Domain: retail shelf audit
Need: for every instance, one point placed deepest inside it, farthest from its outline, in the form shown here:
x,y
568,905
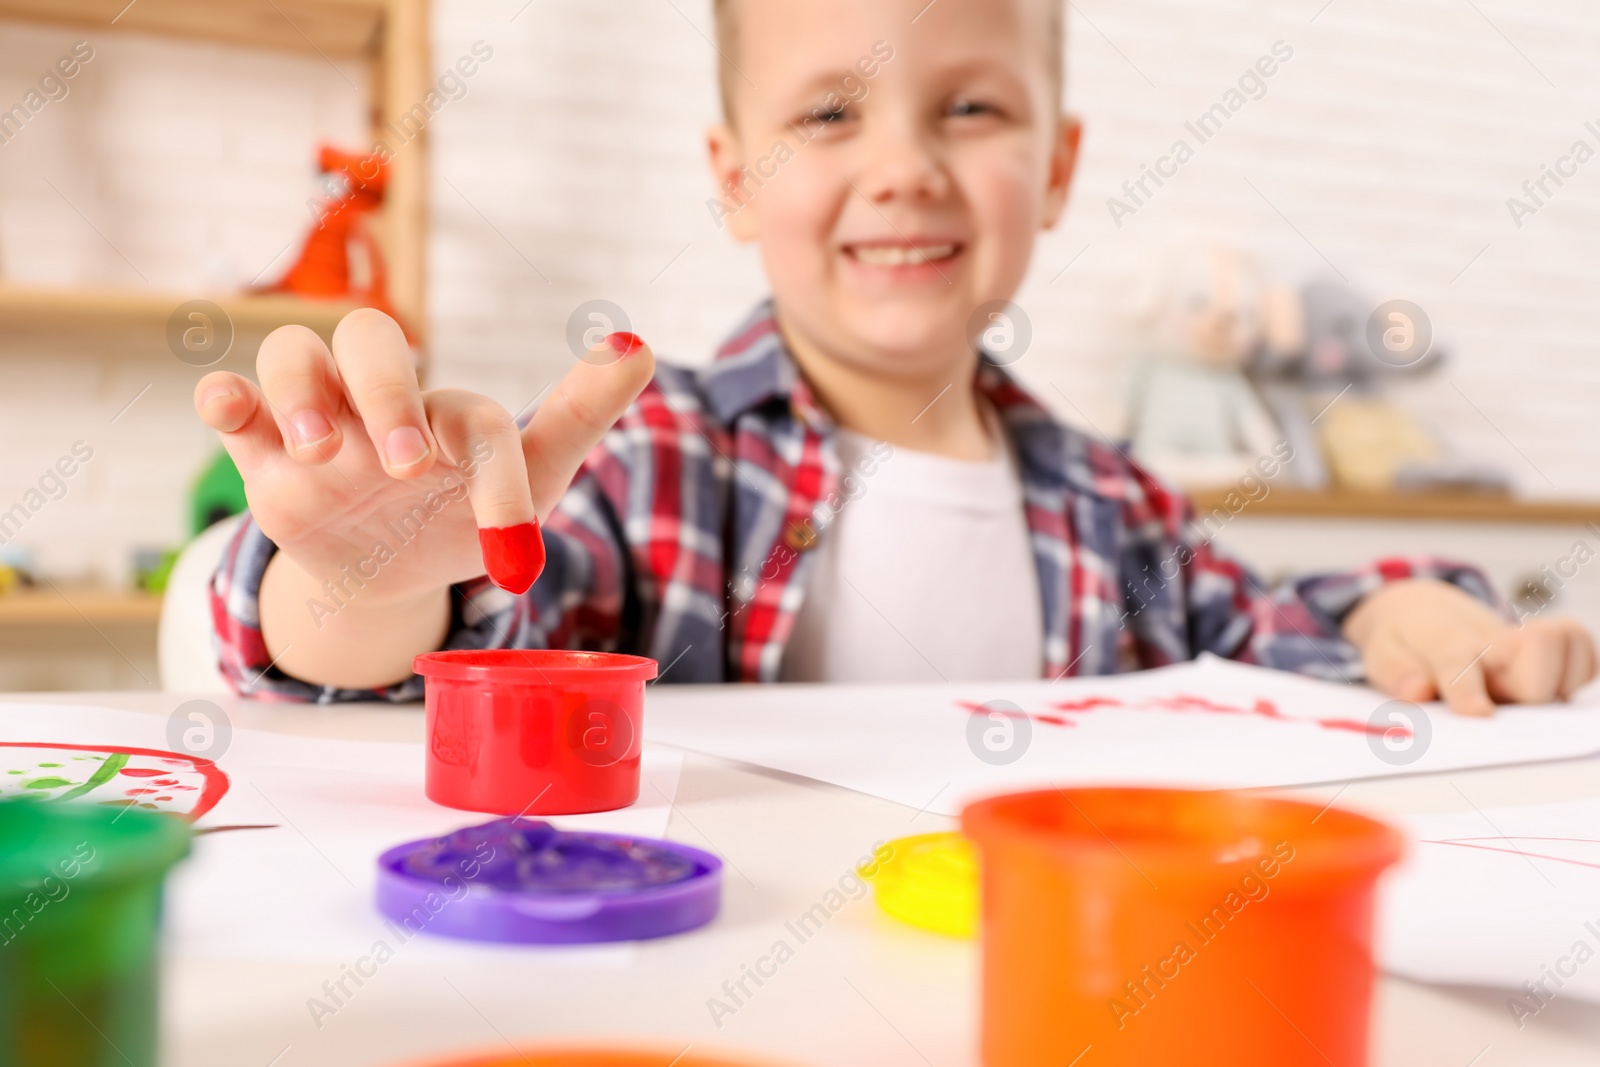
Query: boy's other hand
x,y
342,451
1423,640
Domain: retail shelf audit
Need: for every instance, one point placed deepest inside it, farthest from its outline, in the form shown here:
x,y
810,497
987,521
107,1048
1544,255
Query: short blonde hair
x,y
725,13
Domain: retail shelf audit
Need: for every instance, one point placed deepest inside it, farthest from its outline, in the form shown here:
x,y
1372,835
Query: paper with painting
x,y
1504,897
1208,724
288,828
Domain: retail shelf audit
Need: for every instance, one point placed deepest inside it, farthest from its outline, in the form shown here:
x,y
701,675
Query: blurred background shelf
x,y
1439,507
78,606
104,637
132,312
332,26
79,637
390,39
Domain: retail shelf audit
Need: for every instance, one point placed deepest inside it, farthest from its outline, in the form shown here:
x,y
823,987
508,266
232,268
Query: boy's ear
x,y
730,208
1063,162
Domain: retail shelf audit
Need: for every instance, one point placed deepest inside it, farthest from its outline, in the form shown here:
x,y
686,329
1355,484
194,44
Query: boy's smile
x,y
925,149
901,260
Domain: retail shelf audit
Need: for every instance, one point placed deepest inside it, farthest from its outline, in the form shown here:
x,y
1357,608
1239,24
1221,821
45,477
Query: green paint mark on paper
x,y
47,782
13,772
49,764
102,774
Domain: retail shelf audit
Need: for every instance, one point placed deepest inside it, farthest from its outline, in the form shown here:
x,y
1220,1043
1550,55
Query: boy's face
x,y
902,199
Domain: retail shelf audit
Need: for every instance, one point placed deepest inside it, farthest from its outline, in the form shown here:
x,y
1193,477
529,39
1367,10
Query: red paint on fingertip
x,y
625,344
513,555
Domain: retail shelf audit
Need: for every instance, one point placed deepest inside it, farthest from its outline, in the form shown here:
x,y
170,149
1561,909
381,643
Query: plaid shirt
x,y
686,537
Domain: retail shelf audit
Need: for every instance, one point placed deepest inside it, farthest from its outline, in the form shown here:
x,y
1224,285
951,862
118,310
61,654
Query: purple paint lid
x,y
522,880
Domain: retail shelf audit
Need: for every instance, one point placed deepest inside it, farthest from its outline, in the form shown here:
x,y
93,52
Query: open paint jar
x,y
80,900
534,732
522,880
1169,926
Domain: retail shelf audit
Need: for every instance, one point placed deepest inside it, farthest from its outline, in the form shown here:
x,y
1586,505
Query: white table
x,y
863,991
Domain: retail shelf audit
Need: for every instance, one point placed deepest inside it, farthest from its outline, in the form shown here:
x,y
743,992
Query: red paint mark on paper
x,y
1263,708
1363,727
982,709
1089,704
1181,702
141,772
1471,842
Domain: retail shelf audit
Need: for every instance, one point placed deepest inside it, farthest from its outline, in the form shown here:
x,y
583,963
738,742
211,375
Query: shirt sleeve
x,y
1184,598
578,601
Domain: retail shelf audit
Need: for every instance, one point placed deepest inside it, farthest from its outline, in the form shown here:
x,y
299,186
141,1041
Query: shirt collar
x,y
1051,455
752,367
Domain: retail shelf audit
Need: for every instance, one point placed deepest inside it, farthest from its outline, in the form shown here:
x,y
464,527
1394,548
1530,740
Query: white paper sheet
x,y
1208,724
302,888
1499,898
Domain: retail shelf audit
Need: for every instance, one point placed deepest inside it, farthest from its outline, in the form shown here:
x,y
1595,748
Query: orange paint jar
x,y
1143,926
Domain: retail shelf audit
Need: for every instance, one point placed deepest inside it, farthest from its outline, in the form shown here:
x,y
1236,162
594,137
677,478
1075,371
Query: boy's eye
x,y
964,108
823,115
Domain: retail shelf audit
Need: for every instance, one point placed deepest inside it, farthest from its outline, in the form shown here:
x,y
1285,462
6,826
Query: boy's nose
x,y
901,165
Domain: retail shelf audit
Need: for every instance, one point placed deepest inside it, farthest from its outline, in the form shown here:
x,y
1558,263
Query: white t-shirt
x,y
925,575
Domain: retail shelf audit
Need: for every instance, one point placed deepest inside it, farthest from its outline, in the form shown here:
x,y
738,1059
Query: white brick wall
x,y
1390,142
178,166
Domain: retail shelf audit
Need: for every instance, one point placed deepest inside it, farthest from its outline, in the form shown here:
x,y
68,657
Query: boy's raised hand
x,y
1422,640
341,452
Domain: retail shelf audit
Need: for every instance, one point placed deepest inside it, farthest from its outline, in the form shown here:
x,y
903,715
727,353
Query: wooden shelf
x,y
77,606
332,27
389,36
133,311
1437,507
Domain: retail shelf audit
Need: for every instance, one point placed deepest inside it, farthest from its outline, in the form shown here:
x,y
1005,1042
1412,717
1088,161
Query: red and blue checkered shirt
x,y
686,537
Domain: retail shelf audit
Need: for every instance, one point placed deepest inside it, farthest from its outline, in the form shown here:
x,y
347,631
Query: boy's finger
x,y
1579,668
1525,667
579,411
1461,684
380,379
480,438
301,384
1393,668
235,408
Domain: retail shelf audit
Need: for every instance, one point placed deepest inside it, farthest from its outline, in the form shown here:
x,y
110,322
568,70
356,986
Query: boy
x,y
850,492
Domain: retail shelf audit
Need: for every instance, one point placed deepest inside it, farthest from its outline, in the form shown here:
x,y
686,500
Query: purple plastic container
x,y
522,880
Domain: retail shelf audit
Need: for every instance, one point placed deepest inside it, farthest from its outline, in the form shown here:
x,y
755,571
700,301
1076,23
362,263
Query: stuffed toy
x,y
1330,391
341,257
1196,418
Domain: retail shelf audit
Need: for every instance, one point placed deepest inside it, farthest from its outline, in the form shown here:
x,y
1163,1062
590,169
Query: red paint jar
x,y
534,731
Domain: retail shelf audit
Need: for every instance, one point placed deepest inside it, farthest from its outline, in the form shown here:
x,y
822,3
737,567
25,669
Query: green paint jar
x,y
80,902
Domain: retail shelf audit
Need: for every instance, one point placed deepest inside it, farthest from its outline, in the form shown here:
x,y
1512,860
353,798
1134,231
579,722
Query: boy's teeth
x,y
889,256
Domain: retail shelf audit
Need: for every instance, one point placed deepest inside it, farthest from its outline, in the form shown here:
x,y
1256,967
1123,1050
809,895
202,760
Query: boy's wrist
x,y
364,640
323,597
